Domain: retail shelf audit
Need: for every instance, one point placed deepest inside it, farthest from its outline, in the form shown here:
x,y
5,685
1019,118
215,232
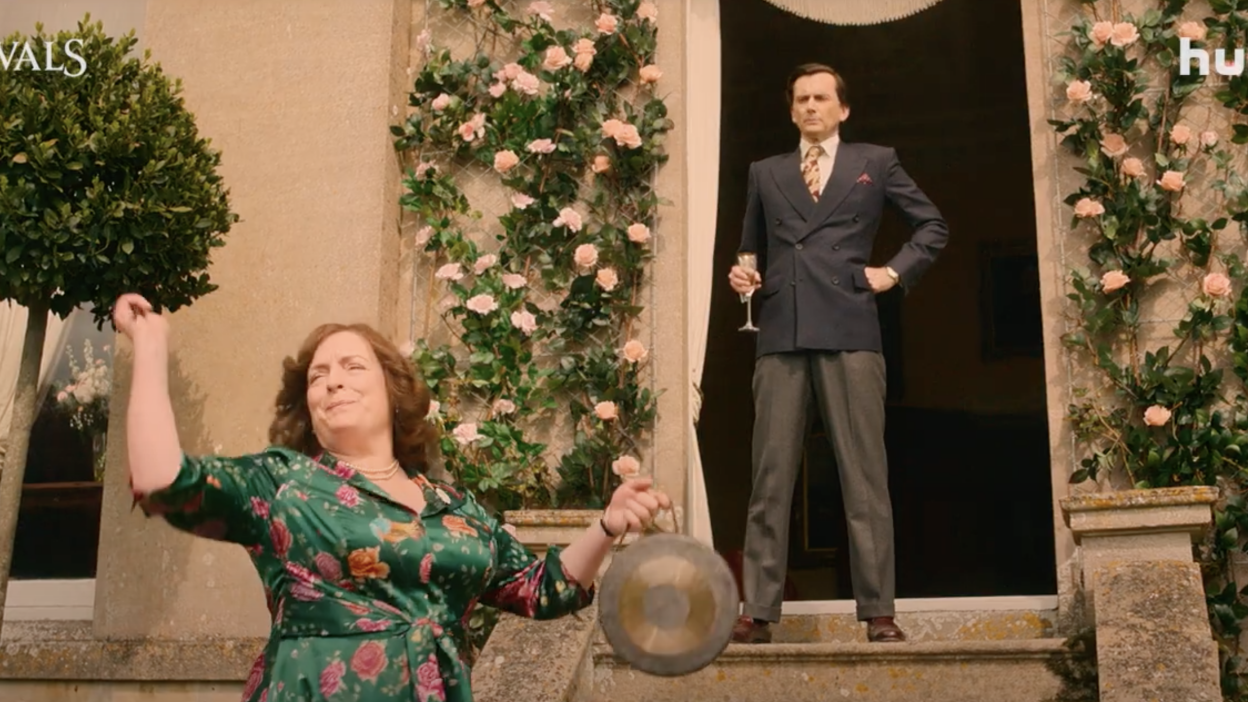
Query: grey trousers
x,y
849,388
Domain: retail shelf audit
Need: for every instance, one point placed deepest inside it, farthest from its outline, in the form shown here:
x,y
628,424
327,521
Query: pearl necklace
x,y
383,474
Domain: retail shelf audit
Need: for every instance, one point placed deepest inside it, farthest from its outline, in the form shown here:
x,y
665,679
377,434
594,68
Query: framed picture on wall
x,y
1009,294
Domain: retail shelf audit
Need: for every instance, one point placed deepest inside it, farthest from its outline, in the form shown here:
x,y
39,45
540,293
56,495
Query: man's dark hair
x,y
810,69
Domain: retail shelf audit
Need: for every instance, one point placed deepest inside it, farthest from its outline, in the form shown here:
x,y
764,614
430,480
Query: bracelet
x,y
602,523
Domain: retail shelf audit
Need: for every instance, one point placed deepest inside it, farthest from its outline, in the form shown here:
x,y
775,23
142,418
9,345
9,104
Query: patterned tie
x,y
810,171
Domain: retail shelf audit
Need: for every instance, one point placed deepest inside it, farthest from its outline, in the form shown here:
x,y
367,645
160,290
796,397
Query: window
x,y
58,528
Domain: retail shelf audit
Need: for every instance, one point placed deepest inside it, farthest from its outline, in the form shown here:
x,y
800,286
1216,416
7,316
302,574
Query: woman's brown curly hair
x,y
415,439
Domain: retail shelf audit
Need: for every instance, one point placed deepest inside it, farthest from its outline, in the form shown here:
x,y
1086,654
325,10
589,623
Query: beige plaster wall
x,y
118,16
298,95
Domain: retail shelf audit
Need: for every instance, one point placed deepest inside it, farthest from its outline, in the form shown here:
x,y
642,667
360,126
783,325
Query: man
x,y
811,219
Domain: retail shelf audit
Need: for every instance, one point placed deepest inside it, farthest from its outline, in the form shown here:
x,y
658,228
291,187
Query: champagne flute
x,y
749,262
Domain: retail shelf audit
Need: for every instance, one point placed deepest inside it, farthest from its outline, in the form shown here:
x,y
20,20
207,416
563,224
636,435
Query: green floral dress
x,y
369,601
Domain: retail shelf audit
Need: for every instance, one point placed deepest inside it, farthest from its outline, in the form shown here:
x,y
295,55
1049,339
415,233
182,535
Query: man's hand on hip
x,y
879,279
744,281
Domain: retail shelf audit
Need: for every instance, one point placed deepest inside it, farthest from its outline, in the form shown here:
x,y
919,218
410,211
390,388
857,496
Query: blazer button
x,y
799,247
855,218
836,281
777,220
836,247
793,283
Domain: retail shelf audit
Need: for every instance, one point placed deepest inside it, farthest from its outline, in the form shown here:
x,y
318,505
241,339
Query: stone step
x,y
1010,670
948,625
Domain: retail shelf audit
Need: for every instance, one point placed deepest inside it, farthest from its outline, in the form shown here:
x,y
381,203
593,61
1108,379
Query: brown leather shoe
x,y
749,630
884,630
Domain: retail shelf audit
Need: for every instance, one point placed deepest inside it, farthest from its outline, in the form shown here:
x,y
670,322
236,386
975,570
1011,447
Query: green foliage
x,y
1166,411
106,186
572,131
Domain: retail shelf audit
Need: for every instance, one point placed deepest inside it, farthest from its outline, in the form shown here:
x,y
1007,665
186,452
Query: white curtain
x,y
702,60
12,334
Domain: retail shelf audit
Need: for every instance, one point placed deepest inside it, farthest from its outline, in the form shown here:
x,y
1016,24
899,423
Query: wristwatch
x,y
892,274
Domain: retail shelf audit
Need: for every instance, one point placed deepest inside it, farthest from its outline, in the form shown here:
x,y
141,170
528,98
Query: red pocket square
x,y
865,179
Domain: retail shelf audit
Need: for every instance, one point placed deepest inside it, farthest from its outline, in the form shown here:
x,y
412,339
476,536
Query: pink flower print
x,y
280,536
348,496
369,625
253,678
369,660
429,681
305,592
426,568
331,678
387,607
355,608
329,566
260,508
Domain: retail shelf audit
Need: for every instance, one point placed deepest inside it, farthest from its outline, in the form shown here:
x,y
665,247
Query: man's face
x,y
816,109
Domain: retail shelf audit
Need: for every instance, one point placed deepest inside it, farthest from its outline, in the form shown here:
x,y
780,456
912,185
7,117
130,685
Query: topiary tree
x,y
106,187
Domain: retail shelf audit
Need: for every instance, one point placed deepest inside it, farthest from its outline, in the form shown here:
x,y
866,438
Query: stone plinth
x,y
1144,591
1152,634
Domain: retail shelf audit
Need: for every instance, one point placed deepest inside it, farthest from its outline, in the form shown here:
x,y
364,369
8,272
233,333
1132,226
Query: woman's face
x,y
347,395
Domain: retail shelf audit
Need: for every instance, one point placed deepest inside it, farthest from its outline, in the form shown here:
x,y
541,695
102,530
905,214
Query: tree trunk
x,y
14,468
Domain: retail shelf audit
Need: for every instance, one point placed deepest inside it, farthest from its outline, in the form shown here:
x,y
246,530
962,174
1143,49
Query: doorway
x,y
967,430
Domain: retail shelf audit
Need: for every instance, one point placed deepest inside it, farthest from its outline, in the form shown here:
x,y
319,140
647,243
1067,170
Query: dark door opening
x,y
967,422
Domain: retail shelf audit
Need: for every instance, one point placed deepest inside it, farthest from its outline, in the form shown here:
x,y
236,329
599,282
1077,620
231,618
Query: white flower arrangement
x,y
85,398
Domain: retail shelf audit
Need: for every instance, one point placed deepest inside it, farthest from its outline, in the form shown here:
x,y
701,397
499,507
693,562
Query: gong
x,y
668,604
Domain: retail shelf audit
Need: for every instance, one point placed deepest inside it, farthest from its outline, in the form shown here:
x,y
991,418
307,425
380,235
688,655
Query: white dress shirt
x,y
826,160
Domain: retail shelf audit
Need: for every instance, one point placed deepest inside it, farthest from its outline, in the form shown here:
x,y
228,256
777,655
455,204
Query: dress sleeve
x,y
526,585
218,497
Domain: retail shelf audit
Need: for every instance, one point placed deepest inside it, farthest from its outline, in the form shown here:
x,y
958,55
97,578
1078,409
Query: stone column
x,y
299,97
1145,593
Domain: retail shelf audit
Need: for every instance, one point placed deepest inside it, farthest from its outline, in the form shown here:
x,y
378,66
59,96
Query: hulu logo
x,y
1221,65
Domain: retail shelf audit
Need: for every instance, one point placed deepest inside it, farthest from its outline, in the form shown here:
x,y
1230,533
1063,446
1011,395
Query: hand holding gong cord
x,y
634,506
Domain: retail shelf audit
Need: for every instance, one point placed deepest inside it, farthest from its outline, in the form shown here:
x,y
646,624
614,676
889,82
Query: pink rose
x,y
475,3
504,406
484,263
450,271
331,678
260,508
638,233
569,218
482,304
466,433
607,23
527,83
1101,32
1113,145
1192,30
585,256
1156,416
328,566
1209,138
524,321
648,12
582,62
1133,167
369,660
1114,280
541,146
441,102
650,74
1216,285
606,410
429,680
521,201
1172,181
1124,34
1180,133
514,281
1079,91
280,536
426,568
498,89
1087,207
607,279
627,135
348,496
542,9
626,466
556,58
602,163
634,351
505,161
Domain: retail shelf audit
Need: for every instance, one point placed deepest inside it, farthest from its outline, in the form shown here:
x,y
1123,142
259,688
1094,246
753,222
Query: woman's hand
x,y
634,505
133,316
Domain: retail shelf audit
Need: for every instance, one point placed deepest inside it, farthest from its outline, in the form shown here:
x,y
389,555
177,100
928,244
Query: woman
x,y
370,569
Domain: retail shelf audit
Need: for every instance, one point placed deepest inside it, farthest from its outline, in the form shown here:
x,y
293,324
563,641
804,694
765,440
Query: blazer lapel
x,y
788,176
849,164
